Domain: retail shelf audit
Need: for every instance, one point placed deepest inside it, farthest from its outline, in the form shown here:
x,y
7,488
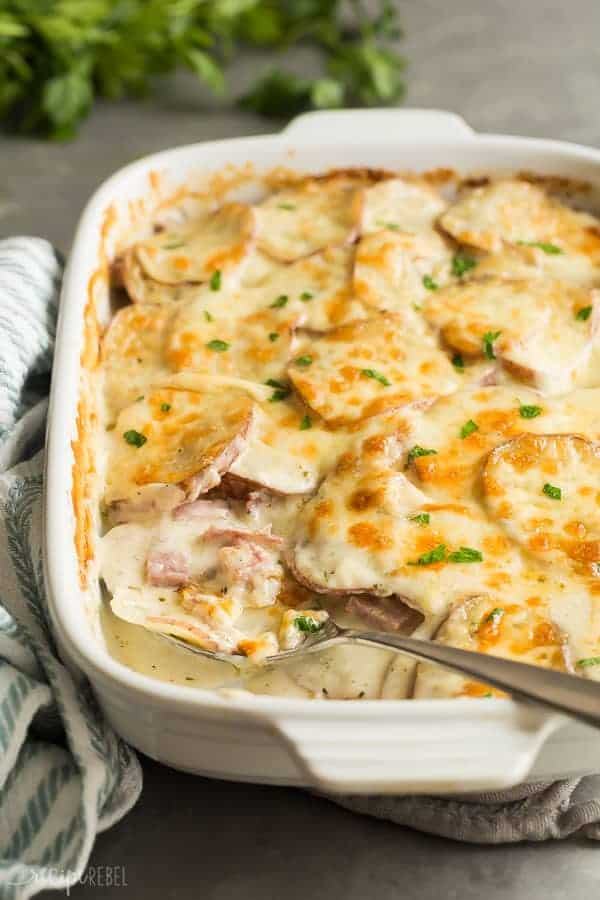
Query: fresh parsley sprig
x,y
57,58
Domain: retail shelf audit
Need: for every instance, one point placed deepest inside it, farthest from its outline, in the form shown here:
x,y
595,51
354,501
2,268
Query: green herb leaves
x,y
305,423
530,412
589,661
468,428
165,407
421,519
583,314
465,555
281,392
495,615
458,362
418,451
550,490
218,346
56,58
550,249
135,438
307,625
429,283
461,263
377,376
279,302
488,343
304,361
215,280
440,554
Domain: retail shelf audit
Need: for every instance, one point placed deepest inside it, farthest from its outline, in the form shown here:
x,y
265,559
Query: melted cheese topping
x,y
365,368
323,404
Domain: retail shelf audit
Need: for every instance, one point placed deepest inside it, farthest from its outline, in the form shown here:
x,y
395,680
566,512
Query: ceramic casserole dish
x,y
384,746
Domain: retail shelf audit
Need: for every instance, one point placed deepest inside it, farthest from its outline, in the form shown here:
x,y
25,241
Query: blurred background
x,y
530,68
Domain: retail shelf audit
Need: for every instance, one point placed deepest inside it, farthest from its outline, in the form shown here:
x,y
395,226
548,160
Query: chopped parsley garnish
x,y
282,390
139,399
304,361
417,307
218,346
589,661
438,554
530,412
418,451
393,226
458,362
305,296
488,343
279,302
306,423
462,263
274,336
288,206
174,245
421,518
468,428
134,438
486,695
552,491
584,313
495,615
208,316
307,625
429,283
550,249
465,555
165,407
215,280
377,376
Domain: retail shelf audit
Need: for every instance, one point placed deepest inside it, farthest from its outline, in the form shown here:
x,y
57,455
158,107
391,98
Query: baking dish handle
x,y
475,748
389,124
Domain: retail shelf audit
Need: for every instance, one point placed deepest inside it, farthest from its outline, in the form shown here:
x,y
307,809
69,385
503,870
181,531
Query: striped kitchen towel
x,y
64,774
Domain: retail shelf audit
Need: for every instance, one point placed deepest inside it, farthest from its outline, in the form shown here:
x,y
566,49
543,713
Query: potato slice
x,y
393,268
318,289
196,250
300,219
405,204
287,452
514,211
133,351
256,346
544,489
543,331
489,624
362,369
171,436
370,530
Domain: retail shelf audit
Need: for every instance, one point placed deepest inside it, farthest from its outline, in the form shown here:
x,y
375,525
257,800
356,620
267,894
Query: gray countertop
x,y
506,66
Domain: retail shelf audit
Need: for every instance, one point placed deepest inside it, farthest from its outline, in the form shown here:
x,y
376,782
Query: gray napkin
x,y
527,812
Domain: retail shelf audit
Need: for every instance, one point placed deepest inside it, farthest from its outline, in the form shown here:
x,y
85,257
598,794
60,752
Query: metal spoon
x,y
578,697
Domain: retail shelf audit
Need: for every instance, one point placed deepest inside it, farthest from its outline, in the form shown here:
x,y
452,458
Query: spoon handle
x,y
579,697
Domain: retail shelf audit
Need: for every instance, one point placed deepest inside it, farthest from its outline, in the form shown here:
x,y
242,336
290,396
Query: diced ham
x,y
490,377
243,560
202,511
385,613
167,568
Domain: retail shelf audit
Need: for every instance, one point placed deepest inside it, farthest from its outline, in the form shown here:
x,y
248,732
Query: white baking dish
x,y
369,746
